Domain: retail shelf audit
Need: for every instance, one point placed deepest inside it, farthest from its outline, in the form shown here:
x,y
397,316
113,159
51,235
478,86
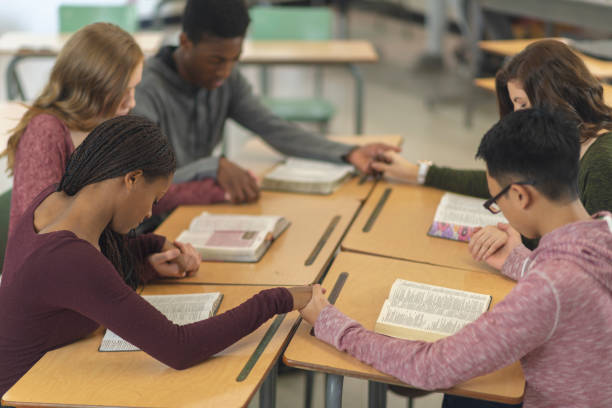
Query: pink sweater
x,y
41,157
557,321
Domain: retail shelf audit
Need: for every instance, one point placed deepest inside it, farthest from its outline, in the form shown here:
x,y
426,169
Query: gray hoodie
x,y
193,118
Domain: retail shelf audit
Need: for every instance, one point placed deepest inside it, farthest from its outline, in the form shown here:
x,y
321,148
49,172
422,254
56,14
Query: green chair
x,y
5,210
298,24
73,17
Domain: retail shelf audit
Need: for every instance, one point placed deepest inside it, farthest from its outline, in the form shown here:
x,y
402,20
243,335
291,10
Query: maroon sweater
x,y
41,158
57,288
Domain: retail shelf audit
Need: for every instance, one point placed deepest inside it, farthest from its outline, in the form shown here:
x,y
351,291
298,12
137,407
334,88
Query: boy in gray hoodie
x,y
557,320
191,90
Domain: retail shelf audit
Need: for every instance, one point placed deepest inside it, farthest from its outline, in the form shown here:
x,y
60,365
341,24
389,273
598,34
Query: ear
x,y
185,42
132,178
523,195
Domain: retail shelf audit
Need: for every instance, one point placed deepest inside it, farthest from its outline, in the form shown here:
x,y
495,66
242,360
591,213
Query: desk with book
x,y
397,221
373,278
277,172
80,375
298,256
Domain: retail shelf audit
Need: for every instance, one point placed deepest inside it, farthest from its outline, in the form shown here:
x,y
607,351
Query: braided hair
x,y
113,149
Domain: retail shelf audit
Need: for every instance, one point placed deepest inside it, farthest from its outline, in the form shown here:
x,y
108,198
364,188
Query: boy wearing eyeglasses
x,y
557,320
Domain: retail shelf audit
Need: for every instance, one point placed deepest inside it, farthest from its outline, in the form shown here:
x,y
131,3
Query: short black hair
x,y
536,145
215,18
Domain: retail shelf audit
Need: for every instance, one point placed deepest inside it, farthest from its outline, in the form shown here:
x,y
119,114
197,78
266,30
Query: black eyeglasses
x,y
491,203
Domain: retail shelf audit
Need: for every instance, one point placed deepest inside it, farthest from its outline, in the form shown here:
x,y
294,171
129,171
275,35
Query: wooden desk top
x,y
489,85
79,375
260,158
400,230
308,52
26,43
599,68
307,352
284,263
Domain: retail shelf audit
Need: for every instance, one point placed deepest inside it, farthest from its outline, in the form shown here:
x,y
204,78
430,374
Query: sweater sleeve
x,y
197,192
246,109
595,176
468,182
518,324
516,263
40,161
101,295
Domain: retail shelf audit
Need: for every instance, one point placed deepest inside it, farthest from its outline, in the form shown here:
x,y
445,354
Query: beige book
x,y
233,238
417,311
307,176
179,309
458,215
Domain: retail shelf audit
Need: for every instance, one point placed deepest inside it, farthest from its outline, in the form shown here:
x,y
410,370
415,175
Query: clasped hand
x,y
176,260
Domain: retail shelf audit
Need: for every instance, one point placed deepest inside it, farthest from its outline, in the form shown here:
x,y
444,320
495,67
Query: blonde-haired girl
x,y
92,80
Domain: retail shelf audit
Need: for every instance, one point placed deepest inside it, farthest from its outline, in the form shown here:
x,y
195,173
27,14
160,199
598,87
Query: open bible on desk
x,y
180,309
418,311
458,215
233,238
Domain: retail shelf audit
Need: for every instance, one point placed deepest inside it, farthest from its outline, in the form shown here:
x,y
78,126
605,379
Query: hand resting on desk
x,y
240,184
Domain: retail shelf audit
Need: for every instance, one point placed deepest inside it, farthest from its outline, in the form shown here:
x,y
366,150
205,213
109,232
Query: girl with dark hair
x,y
70,267
547,74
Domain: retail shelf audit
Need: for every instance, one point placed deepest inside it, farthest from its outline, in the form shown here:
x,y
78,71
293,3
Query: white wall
x,y
41,16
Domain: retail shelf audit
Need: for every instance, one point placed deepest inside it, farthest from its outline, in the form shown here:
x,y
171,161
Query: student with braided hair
x,y
70,266
93,79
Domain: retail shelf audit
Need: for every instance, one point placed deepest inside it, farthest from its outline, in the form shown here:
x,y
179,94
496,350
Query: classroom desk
x,y
79,375
259,157
371,277
599,68
308,52
19,45
489,85
289,260
400,229
332,52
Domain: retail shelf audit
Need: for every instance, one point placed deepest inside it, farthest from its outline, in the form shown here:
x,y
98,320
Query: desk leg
x,y
377,394
475,21
358,98
267,393
333,391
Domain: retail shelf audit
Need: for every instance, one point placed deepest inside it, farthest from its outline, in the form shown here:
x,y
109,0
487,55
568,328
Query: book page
x,y
179,309
307,176
457,216
295,169
230,222
431,308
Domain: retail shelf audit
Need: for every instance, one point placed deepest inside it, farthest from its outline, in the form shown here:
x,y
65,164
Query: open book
x,y
457,216
417,311
180,309
307,176
233,238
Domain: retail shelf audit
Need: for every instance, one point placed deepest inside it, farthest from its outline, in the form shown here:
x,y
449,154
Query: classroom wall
x,y
42,15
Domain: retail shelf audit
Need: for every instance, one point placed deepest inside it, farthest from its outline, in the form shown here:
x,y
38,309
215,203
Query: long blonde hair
x,y
87,83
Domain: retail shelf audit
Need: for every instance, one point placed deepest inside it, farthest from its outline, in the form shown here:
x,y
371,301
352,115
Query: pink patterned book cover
x,y
451,231
458,216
